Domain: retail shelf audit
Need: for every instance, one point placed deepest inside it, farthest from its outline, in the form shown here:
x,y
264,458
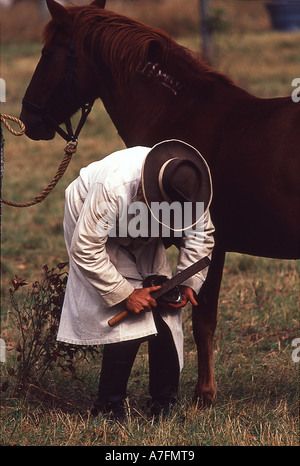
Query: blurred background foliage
x,y
23,20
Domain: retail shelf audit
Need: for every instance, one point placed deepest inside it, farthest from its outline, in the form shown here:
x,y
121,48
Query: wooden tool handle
x,y
117,318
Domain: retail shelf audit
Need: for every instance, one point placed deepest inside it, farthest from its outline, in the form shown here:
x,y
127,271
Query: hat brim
x,y
157,157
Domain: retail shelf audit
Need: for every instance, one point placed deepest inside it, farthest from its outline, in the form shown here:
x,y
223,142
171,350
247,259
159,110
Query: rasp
x,y
168,285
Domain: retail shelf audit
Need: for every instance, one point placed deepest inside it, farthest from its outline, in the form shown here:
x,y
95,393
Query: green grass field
x,y
258,382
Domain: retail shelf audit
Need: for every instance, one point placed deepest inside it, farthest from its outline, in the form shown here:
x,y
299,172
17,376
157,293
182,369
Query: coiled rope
x,y
70,150
4,119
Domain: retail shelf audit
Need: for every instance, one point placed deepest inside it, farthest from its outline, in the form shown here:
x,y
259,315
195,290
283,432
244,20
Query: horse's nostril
x,y
35,127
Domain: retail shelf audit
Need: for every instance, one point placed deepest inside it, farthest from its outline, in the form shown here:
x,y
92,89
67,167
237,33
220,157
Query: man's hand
x,y
141,301
187,296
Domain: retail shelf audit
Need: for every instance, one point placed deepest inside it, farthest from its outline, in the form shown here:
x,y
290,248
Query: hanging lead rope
x,y
4,119
70,149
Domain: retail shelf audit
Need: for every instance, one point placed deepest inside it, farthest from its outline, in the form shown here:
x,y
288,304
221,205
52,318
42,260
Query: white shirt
x,y
101,276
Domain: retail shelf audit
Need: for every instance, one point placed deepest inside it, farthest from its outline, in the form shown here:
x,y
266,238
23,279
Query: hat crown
x,y
174,170
180,180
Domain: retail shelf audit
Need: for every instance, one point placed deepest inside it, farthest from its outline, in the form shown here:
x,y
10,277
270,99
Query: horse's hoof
x,y
205,397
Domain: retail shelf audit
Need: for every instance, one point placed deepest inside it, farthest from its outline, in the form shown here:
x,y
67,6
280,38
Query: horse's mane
x,y
123,43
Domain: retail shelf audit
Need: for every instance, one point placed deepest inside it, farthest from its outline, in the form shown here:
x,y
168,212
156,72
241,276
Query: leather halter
x,y
68,83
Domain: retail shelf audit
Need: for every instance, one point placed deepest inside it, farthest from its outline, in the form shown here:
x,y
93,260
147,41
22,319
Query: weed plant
x,y
35,316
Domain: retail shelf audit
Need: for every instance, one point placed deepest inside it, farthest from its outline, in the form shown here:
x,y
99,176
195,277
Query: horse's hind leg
x,y
204,325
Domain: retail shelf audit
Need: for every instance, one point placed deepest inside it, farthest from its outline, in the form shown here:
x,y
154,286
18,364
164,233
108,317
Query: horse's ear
x,y
58,12
100,3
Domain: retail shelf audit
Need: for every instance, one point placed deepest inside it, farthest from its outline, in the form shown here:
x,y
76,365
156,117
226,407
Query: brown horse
x,y
154,89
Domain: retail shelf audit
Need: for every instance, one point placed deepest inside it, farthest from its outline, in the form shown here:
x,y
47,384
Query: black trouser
x,y
118,359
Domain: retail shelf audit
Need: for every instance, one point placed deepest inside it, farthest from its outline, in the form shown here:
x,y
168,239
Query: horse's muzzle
x,y
35,126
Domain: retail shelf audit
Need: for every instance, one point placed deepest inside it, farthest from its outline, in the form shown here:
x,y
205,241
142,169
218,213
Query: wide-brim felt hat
x,y
174,171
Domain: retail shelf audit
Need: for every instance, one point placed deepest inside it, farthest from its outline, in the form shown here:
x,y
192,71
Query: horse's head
x,y
61,84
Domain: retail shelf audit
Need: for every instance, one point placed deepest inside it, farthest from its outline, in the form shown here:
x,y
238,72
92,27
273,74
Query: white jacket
x,y
105,269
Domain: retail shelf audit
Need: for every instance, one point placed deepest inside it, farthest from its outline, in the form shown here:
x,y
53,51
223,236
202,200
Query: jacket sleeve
x,y
196,244
88,248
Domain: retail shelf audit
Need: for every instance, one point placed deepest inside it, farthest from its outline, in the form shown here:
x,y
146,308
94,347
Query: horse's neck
x,y
152,105
159,104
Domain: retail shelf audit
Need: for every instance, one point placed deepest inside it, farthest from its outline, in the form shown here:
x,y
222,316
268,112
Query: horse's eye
x,y
46,53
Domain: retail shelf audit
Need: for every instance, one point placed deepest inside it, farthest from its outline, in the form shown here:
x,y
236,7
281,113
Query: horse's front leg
x,y
204,325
